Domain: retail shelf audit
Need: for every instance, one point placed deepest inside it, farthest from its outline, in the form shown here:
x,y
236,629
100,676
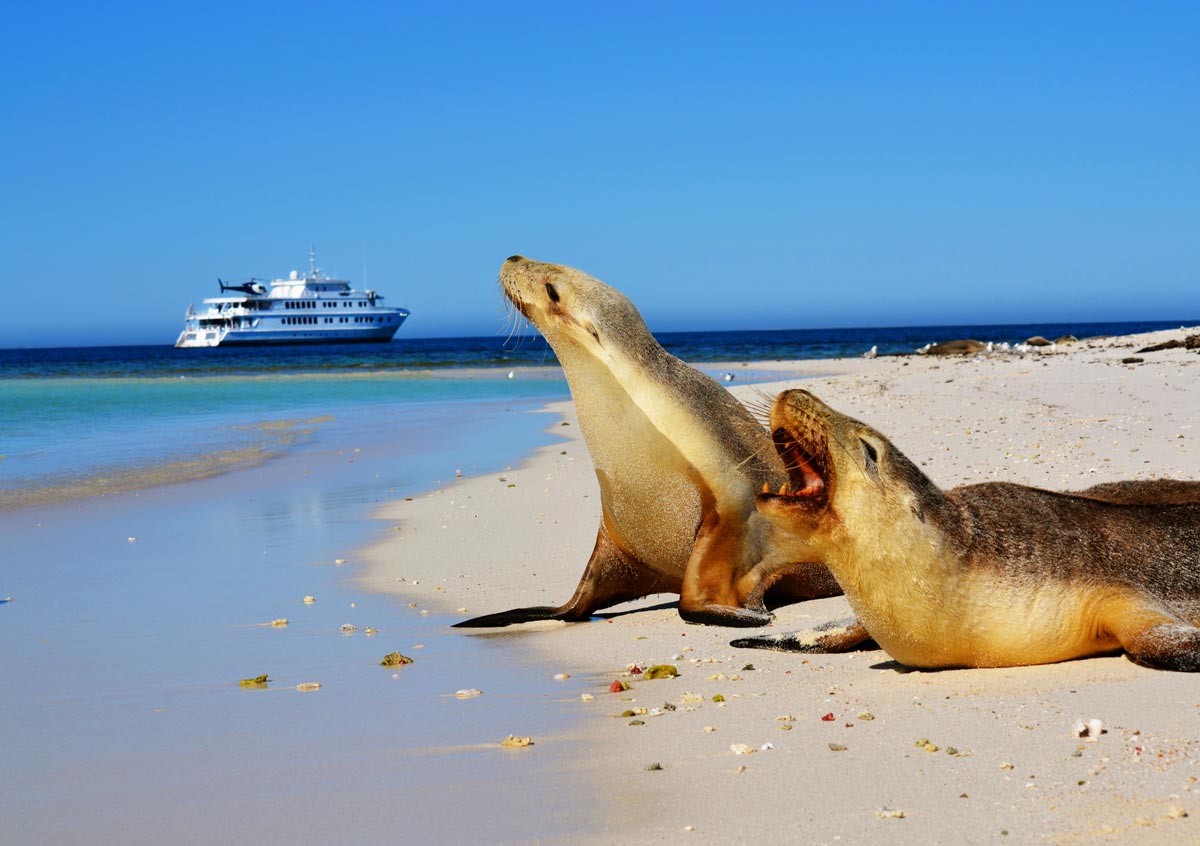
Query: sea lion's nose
x,y
515,258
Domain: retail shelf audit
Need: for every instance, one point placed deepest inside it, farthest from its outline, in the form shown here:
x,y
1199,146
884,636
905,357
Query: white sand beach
x,y
847,748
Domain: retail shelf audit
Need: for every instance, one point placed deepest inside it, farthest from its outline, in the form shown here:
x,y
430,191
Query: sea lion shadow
x,y
612,615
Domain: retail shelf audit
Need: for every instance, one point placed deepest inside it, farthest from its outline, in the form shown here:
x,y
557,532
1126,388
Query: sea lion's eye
x,y
872,457
553,294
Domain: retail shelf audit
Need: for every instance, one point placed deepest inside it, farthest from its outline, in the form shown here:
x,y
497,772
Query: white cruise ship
x,y
311,309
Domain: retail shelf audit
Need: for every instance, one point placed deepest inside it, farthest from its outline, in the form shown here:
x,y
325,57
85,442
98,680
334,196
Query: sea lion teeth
x,y
670,449
987,575
783,489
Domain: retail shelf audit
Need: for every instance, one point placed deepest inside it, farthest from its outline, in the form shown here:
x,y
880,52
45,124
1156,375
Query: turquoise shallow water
x,y
60,435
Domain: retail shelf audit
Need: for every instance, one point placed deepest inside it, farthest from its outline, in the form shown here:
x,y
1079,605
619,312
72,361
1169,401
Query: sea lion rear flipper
x,y
611,577
835,636
1156,640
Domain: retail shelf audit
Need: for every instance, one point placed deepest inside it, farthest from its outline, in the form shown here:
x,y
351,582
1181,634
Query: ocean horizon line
x,y
891,327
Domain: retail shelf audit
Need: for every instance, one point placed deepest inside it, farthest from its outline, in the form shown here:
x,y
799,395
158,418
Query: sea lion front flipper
x,y
835,636
610,577
709,595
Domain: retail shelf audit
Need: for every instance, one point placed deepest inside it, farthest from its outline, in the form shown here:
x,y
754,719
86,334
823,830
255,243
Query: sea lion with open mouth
x,y
678,458
987,575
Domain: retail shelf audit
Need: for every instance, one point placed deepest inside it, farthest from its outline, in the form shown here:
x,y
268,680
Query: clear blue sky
x,y
749,165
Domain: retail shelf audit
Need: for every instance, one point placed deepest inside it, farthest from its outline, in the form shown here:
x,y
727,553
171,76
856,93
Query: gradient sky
x,y
750,165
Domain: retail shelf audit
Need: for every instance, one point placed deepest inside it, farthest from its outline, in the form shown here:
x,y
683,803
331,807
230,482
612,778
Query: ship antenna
x,y
312,262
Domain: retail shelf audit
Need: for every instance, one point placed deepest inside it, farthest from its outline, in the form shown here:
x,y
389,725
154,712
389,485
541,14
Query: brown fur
x,y
679,462
993,574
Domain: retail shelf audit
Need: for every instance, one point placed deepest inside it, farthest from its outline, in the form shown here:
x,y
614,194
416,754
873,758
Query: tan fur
x,y
679,462
987,575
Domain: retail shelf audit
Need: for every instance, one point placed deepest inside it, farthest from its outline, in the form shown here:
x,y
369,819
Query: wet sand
x,y
135,615
849,748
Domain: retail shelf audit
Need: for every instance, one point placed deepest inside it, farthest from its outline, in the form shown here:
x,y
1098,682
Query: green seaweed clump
x,y
257,681
395,659
660,671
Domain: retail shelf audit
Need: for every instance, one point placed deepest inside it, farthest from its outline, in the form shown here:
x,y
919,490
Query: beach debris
x,y
742,749
339,561
661,671
256,681
370,632
748,668
1089,730
828,718
514,742
309,600
717,697
468,693
729,377
1176,813
866,716
618,686
886,813
1133,359
766,747
587,697
689,698
637,722
785,718
1190,342
837,747
924,743
395,659
708,729
132,539
633,670
279,623
561,676
347,628
462,610
653,768
305,687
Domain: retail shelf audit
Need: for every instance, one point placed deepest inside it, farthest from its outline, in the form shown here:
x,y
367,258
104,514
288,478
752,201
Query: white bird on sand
x,y
872,352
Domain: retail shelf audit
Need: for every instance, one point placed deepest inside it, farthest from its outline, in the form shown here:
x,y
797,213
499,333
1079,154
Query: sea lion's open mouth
x,y
806,468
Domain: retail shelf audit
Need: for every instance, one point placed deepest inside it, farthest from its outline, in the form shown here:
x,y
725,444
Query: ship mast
x,y
312,262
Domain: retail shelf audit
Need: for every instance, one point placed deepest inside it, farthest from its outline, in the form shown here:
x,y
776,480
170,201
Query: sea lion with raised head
x,y
678,458
987,575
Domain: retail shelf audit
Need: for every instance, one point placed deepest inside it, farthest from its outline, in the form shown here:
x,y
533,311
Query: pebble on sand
x,y
395,659
305,687
309,600
469,693
514,742
280,623
1089,730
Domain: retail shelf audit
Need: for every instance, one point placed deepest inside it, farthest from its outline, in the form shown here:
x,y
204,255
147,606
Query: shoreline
x,y
1062,420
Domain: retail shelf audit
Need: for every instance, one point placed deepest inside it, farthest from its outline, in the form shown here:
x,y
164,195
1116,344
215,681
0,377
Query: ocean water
x,y
82,421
